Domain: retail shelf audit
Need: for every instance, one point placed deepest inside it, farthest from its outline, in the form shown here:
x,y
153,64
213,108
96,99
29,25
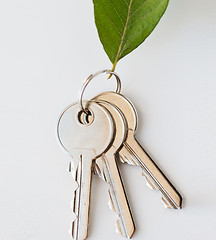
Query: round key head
x,y
123,104
97,134
120,123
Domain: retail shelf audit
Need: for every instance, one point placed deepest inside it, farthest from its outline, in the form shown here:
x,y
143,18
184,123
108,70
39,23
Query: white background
x,y
47,49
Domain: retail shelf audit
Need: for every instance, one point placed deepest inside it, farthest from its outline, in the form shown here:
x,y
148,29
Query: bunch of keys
x,y
97,134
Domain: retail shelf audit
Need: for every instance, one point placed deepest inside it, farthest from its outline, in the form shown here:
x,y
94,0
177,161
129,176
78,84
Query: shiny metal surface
x,y
87,81
84,142
107,169
134,154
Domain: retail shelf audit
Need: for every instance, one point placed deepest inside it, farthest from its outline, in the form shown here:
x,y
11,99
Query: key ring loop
x,y
86,82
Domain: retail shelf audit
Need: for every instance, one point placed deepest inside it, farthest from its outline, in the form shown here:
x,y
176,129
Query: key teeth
x,y
118,230
174,206
149,184
110,202
126,156
96,169
118,223
72,231
112,207
165,203
122,159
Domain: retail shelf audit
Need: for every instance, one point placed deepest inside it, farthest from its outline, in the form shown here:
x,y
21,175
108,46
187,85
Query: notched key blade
x,y
170,206
139,157
165,203
125,227
120,224
77,173
126,156
113,205
148,183
81,172
110,202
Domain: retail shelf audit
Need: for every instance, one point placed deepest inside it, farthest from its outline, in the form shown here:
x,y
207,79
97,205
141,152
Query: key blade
x,y
133,153
81,172
118,201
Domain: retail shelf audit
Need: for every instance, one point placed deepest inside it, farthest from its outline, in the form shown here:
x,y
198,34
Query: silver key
x,y
84,142
134,154
107,169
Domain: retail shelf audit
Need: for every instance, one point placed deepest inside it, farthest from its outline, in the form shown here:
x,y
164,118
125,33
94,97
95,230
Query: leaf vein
x,y
117,13
123,47
130,25
138,8
126,2
119,32
123,35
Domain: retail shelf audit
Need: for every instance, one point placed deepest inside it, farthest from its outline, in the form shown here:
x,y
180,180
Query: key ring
x,y
86,82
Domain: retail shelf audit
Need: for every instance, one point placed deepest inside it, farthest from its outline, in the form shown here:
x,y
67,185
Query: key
x,y
133,153
84,142
107,169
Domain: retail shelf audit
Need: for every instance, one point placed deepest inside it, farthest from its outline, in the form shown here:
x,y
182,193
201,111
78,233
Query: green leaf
x,y
124,24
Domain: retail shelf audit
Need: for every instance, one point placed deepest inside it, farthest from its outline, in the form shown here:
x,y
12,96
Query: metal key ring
x,y
86,82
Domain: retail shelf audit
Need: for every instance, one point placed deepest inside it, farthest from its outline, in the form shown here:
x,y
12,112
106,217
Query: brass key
x,y
133,153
